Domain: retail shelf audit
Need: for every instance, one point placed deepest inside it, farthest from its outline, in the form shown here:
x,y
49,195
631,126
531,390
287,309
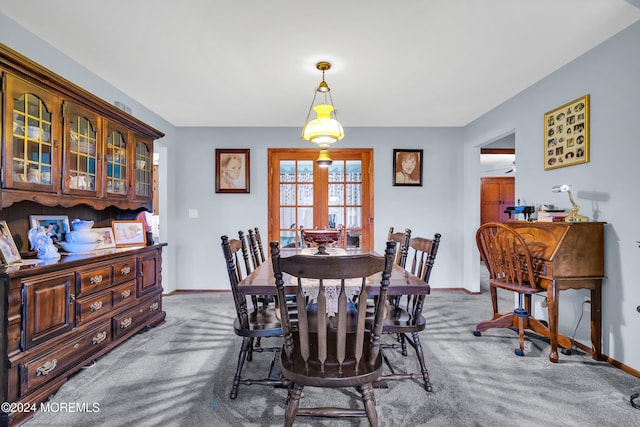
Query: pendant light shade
x,y
325,129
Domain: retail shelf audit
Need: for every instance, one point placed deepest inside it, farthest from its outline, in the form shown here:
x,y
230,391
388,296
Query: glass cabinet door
x,y
143,168
31,137
116,161
82,136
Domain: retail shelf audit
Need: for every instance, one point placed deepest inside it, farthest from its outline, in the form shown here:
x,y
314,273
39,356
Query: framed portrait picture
x,y
106,237
8,250
128,233
566,134
232,170
57,226
407,168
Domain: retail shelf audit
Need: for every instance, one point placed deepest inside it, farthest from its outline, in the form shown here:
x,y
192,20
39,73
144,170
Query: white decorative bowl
x,y
78,248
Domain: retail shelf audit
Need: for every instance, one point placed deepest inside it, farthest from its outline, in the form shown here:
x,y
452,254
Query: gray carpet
x,y
179,374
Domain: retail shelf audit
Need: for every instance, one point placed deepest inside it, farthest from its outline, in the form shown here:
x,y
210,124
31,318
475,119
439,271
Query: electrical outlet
x,y
586,304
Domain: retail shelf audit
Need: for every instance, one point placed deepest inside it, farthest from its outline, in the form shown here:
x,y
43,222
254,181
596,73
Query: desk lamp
x,y
574,216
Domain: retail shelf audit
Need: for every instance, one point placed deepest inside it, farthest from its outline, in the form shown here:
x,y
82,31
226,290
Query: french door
x,y
303,194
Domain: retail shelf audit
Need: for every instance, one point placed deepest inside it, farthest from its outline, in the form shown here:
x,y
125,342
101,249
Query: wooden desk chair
x,y
260,322
406,319
507,257
338,351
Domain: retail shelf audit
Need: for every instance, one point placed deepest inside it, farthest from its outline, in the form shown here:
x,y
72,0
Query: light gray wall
x,y
606,188
435,207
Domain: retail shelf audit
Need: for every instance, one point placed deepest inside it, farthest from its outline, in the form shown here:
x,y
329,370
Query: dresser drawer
x,y
129,320
41,369
124,271
95,279
123,295
93,306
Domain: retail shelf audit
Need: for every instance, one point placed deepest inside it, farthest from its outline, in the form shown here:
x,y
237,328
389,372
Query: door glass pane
x,y
336,194
336,172
354,217
305,217
82,154
116,163
354,171
305,171
336,217
287,239
287,194
288,218
287,171
354,194
31,140
143,170
305,194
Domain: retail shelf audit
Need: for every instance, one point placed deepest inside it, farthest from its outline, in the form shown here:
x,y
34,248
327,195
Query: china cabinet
x,y
68,152
63,146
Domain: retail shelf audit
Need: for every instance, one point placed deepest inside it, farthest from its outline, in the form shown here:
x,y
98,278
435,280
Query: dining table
x,y
262,281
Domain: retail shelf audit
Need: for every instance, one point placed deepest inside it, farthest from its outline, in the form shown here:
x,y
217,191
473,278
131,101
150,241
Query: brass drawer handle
x,y
46,368
125,323
96,306
96,279
100,337
125,270
125,294
153,307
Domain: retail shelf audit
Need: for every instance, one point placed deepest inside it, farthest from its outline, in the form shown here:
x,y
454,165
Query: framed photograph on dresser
x,y
57,226
107,240
129,233
8,251
566,134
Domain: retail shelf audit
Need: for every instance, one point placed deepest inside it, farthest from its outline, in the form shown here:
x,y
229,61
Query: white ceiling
x,y
252,62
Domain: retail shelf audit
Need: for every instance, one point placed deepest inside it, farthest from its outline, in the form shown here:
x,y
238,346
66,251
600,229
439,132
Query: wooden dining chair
x,y
332,351
251,325
255,247
508,259
405,318
402,244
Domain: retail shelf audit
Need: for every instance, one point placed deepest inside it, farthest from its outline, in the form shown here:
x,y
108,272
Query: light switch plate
x,y
193,213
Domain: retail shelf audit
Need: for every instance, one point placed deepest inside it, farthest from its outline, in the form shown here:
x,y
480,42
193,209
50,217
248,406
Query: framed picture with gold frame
x,y
566,134
9,253
128,233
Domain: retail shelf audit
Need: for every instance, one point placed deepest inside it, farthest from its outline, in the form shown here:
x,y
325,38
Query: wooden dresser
x,y
60,316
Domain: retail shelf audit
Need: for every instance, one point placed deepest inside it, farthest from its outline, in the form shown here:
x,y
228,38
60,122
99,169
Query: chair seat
x,y
515,287
399,320
312,375
263,322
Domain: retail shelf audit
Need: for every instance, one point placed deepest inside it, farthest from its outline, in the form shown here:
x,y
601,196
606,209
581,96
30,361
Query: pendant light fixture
x,y
325,129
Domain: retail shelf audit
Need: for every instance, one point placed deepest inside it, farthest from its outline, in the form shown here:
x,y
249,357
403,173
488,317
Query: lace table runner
x,y
331,286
